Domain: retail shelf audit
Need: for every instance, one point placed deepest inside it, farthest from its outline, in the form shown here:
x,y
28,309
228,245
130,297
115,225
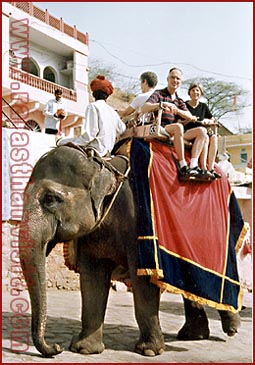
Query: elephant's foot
x,y
196,323
230,322
150,348
86,346
193,331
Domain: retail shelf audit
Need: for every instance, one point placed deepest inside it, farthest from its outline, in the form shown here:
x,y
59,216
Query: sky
x,y
204,39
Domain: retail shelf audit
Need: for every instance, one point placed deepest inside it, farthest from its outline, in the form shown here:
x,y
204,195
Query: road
x,y
121,332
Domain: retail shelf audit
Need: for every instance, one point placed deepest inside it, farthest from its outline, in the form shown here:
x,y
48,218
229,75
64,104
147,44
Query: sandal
x,y
206,174
215,174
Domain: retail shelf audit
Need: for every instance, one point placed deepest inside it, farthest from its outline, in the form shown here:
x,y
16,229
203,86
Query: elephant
x,y
73,195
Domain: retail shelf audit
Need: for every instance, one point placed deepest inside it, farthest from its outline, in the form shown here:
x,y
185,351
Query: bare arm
x,y
150,107
211,121
171,107
186,115
124,113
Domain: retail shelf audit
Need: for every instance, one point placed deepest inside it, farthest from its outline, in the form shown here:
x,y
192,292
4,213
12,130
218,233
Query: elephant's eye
x,y
50,199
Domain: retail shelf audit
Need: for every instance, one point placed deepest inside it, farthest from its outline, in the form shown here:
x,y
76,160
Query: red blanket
x,y
186,213
187,231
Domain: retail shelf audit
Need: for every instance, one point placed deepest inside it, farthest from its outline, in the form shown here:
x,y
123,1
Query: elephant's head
x,y
63,200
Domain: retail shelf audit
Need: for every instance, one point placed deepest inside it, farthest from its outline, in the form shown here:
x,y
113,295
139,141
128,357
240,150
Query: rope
x,y
99,222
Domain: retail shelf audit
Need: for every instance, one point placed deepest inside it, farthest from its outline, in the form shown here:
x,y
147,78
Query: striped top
x,y
164,95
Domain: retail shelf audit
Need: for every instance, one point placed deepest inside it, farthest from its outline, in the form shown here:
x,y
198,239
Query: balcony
x,y
49,19
37,82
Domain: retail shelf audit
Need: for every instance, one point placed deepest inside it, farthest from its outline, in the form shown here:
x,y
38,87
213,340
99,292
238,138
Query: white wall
x,y
21,149
48,47
5,51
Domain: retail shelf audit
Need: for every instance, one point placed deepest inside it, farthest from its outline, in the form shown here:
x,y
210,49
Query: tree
x,y
97,68
125,83
222,97
123,93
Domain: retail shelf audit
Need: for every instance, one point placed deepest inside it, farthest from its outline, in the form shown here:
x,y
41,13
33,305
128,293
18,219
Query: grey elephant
x,y
72,196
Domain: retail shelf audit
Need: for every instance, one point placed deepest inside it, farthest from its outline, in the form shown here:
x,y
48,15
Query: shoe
x,y
207,175
194,172
184,170
215,174
183,173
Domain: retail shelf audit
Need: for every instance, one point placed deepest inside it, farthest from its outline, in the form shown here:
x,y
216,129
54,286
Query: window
x,y
48,74
32,124
77,131
243,156
13,58
29,65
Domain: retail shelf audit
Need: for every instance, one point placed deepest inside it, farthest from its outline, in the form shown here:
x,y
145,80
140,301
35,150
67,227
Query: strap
x,y
125,175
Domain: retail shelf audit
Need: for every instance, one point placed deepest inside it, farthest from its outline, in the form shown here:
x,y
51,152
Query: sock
x,y
182,163
193,162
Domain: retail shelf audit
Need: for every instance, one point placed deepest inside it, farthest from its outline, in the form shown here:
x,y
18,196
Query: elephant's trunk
x,y
33,260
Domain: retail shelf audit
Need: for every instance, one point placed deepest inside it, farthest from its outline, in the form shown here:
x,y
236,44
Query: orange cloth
x,y
101,83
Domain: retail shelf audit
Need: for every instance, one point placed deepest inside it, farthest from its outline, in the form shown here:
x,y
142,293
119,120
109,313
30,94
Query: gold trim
x,y
200,300
155,243
242,235
198,265
155,273
129,149
227,249
147,238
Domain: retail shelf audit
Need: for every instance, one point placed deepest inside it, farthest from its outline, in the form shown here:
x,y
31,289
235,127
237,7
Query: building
x,y
239,147
41,53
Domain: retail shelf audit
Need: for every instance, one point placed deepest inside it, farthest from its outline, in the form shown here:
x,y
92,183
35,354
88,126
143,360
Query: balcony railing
x,y
49,19
35,81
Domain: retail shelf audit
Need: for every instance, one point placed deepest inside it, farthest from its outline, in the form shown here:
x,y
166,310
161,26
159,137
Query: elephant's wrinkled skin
x,y
63,200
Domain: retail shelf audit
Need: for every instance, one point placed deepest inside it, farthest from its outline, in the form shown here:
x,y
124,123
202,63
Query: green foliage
x,y
222,97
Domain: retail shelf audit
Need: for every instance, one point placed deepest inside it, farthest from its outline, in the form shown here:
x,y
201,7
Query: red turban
x,y
100,83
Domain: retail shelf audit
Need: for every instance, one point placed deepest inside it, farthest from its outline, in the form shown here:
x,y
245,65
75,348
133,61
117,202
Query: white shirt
x,y
102,127
140,99
50,109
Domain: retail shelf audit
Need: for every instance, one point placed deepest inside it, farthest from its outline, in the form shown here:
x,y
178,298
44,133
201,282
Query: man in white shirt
x,y
54,112
102,125
149,81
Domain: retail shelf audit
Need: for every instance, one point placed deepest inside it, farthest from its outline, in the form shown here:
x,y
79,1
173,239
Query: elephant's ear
x,y
103,184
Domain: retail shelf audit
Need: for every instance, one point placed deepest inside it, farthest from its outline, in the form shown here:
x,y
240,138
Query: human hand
x,y
131,123
171,107
60,113
208,122
194,118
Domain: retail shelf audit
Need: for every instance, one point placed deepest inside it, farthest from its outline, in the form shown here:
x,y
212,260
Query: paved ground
x,y
121,332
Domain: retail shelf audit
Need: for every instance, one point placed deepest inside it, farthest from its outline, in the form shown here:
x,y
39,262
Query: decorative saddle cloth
x,y
188,232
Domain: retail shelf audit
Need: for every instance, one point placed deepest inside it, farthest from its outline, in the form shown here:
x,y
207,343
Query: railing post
x,y
61,25
46,16
74,32
30,8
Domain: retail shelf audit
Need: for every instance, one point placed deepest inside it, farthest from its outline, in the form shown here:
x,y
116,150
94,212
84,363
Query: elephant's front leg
x,y
146,298
95,284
